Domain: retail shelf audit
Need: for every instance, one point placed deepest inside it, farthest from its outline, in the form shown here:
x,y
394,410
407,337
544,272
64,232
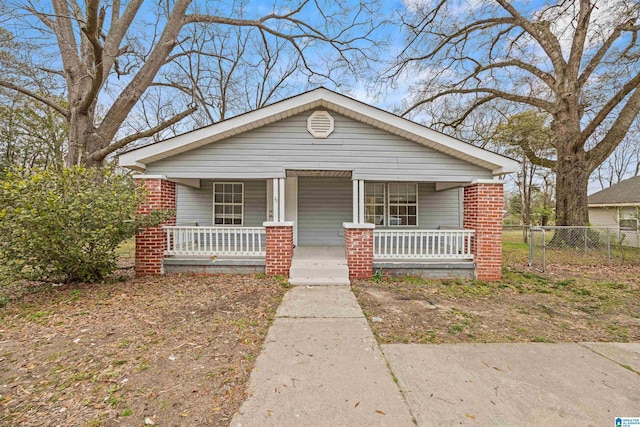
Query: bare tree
x,y
577,60
624,162
110,50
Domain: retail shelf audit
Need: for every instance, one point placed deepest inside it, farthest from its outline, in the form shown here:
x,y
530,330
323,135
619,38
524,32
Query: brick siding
x,y
483,206
279,248
151,241
359,250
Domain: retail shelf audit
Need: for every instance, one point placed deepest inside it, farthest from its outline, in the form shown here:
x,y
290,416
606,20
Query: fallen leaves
x,y
164,349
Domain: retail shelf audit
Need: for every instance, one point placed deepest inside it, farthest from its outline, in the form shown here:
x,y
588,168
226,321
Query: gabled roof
x,y
319,98
626,192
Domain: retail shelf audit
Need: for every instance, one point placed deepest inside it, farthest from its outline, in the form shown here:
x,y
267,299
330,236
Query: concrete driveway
x,y
321,366
587,384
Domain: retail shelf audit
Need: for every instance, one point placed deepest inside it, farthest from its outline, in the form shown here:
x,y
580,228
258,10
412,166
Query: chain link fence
x,y
573,245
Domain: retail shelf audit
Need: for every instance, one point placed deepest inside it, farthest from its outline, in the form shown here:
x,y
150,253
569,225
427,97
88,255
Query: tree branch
x,y
529,100
541,32
580,37
616,133
547,78
535,159
35,96
597,58
607,108
142,134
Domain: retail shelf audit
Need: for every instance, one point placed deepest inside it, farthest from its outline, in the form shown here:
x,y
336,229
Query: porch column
x,y
483,207
279,235
358,201
151,242
278,199
358,237
358,246
279,247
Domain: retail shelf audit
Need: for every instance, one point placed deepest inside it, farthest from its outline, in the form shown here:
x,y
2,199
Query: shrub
x,y
64,225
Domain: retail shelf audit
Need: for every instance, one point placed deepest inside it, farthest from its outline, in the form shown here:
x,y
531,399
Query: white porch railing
x,y
422,244
244,241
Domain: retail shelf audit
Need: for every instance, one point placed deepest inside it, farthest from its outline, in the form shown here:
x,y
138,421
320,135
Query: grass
x,y
522,307
127,249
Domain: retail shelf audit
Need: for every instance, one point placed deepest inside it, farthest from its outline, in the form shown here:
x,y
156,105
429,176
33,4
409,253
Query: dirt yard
x,y
567,304
176,350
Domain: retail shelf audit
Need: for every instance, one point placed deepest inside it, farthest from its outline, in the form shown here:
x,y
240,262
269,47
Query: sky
x,y
374,91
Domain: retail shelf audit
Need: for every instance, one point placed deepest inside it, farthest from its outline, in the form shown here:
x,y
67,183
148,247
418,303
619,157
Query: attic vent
x,y
320,124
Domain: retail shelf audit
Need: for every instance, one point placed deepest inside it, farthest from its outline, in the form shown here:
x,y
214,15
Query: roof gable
x,y
319,98
624,192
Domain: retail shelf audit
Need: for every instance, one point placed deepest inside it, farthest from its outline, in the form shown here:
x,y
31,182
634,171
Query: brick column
x,y
358,245
279,247
151,242
483,206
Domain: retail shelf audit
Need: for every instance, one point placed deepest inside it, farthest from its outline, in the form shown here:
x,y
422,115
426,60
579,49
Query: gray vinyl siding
x,y
195,205
436,208
266,152
323,205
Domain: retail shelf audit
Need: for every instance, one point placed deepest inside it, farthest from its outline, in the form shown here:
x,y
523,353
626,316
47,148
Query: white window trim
x,y
388,205
384,203
214,204
387,223
637,219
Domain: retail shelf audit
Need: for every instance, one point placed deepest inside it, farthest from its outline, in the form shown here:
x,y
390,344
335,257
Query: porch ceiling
x,y
323,173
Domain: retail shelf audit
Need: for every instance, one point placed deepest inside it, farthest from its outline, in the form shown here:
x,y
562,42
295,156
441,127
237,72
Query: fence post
x,y
608,246
585,240
544,250
530,246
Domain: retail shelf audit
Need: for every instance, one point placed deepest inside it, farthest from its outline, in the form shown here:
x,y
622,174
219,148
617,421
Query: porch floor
x,y
325,265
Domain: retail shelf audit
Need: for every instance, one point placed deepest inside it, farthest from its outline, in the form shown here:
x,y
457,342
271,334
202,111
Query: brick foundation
x,y
483,207
151,242
279,248
358,245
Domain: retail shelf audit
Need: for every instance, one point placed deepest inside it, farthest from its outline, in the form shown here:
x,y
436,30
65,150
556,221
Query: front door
x,y
324,203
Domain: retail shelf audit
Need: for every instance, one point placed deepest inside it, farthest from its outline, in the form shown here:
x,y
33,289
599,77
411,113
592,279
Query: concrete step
x,y
319,266
319,269
319,281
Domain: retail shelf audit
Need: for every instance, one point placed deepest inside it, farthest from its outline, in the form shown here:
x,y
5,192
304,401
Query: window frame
x,y
406,204
241,204
375,204
622,216
387,205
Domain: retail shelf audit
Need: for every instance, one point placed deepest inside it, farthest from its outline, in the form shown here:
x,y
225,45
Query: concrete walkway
x,y
526,384
319,266
321,366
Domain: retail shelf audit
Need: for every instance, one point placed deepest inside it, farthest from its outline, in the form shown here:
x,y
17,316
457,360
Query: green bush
x,y
65,225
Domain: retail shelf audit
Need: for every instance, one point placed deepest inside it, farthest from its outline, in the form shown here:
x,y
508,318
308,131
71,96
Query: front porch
x,y
243,250
395,244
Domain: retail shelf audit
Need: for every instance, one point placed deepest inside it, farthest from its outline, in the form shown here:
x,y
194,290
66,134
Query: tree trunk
x,y
83,138
571,190
571,198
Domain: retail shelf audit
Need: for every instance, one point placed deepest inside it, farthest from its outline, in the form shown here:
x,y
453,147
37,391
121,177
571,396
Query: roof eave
x,y
498,164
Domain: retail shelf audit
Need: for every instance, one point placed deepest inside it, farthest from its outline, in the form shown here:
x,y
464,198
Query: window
x,y
403,204
628,218
374,203
394,204
228,203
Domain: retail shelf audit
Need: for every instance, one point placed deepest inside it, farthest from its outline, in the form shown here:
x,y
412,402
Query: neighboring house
x,y
320,169
618,207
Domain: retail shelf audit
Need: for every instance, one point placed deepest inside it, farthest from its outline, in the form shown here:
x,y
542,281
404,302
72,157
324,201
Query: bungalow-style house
x,y
618,207
321,169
